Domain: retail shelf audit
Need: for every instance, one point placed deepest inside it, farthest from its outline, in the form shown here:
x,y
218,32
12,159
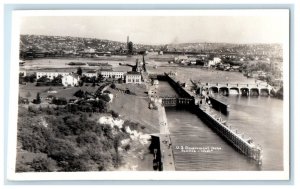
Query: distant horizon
x,y
254,43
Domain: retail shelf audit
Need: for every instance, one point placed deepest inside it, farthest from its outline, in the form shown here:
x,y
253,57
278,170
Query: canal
x,y
197,148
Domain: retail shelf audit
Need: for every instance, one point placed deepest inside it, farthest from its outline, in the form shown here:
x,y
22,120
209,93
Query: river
x,y
197,148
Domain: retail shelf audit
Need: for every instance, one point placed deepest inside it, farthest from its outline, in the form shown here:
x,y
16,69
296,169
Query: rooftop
x,y
133,73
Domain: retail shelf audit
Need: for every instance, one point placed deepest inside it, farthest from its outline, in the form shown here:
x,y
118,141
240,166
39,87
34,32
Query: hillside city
x,y
242,56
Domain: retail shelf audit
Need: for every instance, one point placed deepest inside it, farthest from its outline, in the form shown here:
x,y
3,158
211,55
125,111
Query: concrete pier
x,y
245,145
166,151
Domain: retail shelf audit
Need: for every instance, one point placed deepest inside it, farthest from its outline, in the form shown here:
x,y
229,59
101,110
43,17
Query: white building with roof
x,y
214,61
112,74
133,77
70,80
50,75
90,74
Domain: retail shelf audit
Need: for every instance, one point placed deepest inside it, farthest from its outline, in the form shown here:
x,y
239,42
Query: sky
x,y
162,29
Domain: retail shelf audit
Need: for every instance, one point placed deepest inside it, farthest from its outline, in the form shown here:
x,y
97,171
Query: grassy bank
x,y
135,108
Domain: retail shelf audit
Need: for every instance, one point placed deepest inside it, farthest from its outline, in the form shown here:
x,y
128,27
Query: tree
x,y
40,164
43,79
87,138
101,78
30,78
57,80
113,86
130,47
127,147
114,114
120,80
105,97
33,137
79,71
79,94
38,99
93,79
22,167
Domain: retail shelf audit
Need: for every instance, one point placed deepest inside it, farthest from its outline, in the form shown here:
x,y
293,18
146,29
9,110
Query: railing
x,y
172,101
238,85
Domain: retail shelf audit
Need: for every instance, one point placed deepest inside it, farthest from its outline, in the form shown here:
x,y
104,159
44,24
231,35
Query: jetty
x,y
245,145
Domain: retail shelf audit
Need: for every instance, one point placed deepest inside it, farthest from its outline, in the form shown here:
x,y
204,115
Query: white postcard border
x,y
139,175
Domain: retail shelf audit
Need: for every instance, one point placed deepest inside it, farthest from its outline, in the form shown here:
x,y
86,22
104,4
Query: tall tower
x,y
127,40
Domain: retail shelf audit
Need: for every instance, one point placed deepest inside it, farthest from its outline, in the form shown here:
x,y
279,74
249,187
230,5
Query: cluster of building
x,y
225,49
72,79
201,59
66,45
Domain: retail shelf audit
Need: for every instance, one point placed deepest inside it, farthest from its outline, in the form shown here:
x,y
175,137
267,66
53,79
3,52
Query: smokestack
x,y
127,39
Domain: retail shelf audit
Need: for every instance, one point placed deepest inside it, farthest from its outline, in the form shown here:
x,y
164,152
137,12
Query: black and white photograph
x,y
150,92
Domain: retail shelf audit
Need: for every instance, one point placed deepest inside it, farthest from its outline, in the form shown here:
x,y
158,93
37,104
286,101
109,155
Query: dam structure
x,y
238,141
237,88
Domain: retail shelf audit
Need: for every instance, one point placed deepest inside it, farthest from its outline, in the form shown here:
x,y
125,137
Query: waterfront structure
x,y
70,80
50,75
133,77
112,74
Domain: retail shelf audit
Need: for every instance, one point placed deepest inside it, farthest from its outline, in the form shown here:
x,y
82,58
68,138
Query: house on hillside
x,y
71,80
